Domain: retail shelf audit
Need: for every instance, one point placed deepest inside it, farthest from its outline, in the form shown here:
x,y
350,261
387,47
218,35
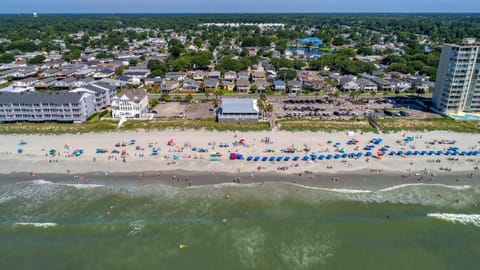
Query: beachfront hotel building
x,y
130,103
457,87
238,110
45,107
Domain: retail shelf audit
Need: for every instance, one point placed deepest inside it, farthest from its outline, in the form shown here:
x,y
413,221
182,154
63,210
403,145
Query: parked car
x,y
404,113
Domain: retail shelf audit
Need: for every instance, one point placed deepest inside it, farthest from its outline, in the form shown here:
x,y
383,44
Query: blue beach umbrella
x,y
369,154
256,158
337,156
321,157
264,158
272,158
295,158
344,155
329,156
249,158
287,158
392,153
306,158
280,158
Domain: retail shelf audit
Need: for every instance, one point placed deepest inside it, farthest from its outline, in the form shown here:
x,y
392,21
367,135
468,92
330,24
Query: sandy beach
x,y
187,154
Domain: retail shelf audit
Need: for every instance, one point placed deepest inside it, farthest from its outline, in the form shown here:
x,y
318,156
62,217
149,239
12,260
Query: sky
x,y
235,6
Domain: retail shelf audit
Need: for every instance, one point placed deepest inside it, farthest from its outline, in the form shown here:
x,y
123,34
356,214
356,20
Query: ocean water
x,y
45,225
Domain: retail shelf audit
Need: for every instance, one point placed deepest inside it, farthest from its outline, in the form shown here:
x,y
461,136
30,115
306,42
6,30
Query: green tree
x,y
7,58
287,74
38,59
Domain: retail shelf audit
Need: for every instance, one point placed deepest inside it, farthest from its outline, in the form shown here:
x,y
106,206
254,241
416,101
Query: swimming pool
x,y
470,117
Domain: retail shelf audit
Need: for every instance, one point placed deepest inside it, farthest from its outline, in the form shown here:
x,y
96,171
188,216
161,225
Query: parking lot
x,y
342,109
169,109
200,111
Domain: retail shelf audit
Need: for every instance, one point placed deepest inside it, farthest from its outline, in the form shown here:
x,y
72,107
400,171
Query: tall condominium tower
x,y
457,88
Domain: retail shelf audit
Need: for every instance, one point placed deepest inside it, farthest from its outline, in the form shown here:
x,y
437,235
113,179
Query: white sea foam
x,y
346,191
41,182
136,227
84,186
458,218
464,187
37,224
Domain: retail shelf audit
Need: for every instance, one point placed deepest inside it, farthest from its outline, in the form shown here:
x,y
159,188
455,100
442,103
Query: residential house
x,y
113,82
243,75
314,84
294,86
130,103
211,85
256,75
383,85
45,83
46,106
153,82
27,82
191,85
169,86
228,85
238,110
279,86
84,73
65,83
22,73
243,85
198,75
367,85
261,84
82,82
104,73
137,73
400,85
349,83
213,75
176,76
230,76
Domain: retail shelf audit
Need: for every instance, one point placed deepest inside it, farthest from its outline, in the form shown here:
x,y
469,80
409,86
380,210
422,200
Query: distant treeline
x,y
440,27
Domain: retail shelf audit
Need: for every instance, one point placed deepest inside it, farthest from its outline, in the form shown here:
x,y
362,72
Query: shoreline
x,y
359,181
159,156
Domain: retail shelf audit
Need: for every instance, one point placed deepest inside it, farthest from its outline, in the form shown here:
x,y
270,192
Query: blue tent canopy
x,y
409,153
313,40
439,152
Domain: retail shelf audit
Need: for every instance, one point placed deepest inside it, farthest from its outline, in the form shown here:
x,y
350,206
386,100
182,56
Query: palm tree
x,y
352,95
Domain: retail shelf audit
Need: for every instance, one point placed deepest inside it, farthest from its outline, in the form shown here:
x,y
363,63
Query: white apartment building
x,y
457,87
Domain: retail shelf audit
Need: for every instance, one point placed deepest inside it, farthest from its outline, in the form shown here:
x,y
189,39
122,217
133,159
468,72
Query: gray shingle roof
x,y
37,97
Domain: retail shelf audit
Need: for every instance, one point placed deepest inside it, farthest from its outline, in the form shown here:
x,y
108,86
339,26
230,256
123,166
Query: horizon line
x,y
240,13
